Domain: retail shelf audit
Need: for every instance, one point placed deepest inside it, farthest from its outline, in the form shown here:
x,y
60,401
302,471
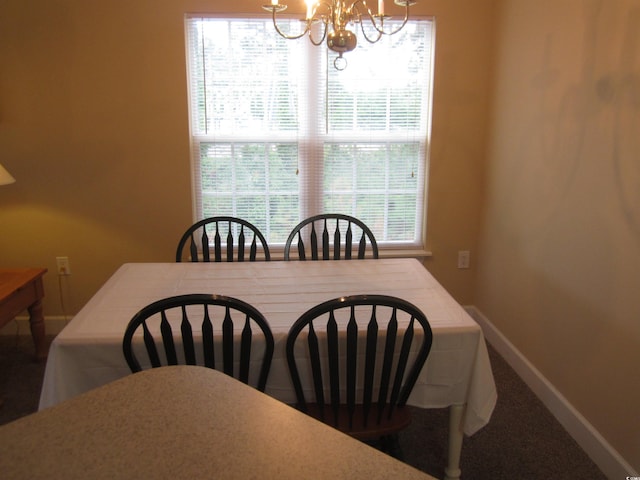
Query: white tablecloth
x,y
88,352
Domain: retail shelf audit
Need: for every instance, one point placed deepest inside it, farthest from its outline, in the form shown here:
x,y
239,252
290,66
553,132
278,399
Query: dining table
x,y
185,422
87,353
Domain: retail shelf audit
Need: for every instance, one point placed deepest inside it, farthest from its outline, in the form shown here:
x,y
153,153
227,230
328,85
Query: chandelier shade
x,y
337,20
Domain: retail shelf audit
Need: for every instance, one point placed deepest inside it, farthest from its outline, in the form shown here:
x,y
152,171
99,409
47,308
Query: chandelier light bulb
x,y
310,6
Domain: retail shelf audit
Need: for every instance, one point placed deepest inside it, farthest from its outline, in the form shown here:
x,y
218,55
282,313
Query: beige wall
x,y
94,127
559,266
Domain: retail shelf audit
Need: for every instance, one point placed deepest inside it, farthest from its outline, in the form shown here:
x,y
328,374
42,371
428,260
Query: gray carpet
x,y
522,441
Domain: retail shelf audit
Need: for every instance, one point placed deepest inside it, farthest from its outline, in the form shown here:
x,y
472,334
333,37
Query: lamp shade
x,y
5,177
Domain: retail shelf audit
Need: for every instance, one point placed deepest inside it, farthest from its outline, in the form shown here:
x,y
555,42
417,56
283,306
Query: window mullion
x,y
312,132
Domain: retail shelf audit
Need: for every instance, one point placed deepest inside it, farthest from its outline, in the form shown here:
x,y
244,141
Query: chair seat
x,y
400,419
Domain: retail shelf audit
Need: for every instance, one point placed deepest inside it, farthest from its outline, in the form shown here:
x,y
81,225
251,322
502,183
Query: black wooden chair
x,y
218,322
362,355
223,231
315,232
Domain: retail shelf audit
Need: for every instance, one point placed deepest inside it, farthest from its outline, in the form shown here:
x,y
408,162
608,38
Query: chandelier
x,y
335,18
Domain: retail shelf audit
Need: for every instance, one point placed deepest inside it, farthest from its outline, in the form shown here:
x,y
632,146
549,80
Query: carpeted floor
x,y
522,441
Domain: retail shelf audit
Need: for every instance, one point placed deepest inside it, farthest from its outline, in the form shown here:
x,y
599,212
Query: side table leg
x,y
36,321
452,472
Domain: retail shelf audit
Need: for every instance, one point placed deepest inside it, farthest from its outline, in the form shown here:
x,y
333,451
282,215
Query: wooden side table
x,y
21,289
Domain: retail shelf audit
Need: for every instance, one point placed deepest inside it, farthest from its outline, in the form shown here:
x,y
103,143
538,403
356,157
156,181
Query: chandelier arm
x,y
364,33
324,33
284,35
372,19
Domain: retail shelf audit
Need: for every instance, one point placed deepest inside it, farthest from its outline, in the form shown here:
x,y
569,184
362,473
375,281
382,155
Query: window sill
x,y
402,253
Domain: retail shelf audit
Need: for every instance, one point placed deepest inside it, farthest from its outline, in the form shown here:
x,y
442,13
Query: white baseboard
x,y
20,326
595,445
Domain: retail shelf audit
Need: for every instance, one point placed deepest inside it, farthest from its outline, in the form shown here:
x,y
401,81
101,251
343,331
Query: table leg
x,y
456,413
36,321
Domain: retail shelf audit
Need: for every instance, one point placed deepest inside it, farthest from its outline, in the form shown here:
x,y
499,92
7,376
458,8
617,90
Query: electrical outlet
x,y
463,258
63,265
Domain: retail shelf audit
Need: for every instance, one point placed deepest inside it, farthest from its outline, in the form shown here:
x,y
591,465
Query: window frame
x,y
387,248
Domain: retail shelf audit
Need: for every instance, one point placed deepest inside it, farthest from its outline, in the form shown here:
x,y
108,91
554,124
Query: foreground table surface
x,y
21,289
184,422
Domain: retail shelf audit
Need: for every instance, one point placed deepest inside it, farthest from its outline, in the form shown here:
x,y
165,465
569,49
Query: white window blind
x,y
279,135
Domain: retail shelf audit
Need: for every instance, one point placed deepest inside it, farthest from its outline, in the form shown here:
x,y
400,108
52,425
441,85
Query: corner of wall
x,y
595,445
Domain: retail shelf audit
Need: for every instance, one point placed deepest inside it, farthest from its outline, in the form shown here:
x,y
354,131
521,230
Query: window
x,y
278,134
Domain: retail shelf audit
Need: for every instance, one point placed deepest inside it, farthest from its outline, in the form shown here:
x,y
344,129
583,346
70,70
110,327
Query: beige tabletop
x,y
184,422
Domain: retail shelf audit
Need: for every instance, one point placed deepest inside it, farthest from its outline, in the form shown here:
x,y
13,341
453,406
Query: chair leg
x,y
391,446
378,443
382,444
